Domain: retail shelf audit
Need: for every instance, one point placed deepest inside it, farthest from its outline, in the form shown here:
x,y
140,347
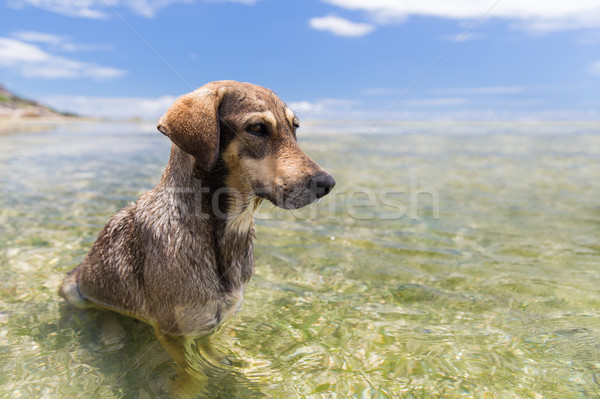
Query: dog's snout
x,y
321,184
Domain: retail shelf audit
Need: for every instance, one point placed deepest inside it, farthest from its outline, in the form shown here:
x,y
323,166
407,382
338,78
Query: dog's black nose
x,y
321,184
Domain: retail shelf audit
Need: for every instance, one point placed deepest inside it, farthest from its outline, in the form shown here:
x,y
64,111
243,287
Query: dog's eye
x,y
258,129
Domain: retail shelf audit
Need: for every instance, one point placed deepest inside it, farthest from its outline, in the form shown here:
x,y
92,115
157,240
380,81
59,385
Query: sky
x,y
327,59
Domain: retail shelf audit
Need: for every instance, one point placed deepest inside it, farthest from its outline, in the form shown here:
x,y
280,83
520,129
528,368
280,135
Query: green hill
x,y
14,106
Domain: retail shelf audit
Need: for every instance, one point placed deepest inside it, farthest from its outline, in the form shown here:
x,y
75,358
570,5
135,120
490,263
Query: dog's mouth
x,y
298,195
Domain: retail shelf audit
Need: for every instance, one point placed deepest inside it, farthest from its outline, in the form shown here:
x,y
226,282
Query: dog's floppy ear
x,y
192,123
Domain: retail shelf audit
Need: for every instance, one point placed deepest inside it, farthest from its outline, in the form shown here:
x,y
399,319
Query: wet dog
x,y
181,256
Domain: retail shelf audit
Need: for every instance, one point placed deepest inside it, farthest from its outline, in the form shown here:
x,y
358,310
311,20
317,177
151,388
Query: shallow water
x,y
448,265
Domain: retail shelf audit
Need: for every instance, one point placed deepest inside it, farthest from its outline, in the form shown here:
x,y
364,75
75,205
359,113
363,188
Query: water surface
x,y
461,264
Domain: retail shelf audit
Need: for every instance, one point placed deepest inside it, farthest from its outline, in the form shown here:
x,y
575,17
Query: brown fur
x,y
181,256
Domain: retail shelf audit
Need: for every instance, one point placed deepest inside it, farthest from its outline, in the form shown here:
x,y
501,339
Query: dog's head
x,y
252,133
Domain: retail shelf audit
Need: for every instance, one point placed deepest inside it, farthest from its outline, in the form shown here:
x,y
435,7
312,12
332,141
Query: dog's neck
x,y
229,215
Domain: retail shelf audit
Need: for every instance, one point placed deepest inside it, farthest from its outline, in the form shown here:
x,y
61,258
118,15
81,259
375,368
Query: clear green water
x,y
497,296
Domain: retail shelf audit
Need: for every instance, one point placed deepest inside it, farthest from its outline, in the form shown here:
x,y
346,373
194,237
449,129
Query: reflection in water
x,y
123,352
199,370
203,371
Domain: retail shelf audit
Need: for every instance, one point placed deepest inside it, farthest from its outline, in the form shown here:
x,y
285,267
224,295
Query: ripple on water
x,y
496,297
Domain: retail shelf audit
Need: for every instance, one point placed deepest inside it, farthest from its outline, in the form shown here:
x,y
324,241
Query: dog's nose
x,y
321,184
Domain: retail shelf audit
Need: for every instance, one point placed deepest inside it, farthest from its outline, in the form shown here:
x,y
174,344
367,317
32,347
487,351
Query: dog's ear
x,y
192,123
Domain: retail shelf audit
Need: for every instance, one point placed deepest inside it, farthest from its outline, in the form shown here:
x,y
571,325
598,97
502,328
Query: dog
x,y
181,256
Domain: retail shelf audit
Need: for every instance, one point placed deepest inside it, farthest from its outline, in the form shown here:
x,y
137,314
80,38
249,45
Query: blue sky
x,y
328,59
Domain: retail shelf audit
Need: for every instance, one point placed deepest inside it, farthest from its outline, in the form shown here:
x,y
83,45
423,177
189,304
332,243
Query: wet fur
x,y
181,256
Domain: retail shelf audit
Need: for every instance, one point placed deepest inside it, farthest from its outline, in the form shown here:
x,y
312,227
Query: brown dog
x,y
181,256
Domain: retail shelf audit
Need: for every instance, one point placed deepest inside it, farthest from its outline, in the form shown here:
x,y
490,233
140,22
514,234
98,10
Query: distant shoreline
x,y
14,125
10,125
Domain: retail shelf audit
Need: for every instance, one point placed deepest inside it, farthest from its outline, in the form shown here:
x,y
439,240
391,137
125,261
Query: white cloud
x,y
112,107
29,60
477,91
40,37
462,37
60,42
73,8
99,9
326,107
539,15
383,91
75,47
428,109
448,91
435,102
338,108
595,67
149,8
14,52
340,26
